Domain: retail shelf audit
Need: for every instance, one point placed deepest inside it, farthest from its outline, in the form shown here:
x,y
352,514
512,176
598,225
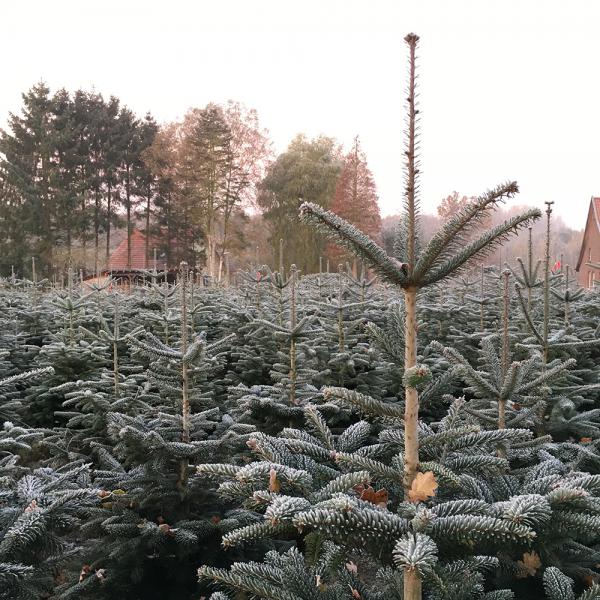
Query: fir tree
x,y
445,255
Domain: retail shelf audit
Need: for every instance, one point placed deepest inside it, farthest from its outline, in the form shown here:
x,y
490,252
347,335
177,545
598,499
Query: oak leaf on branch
x,y
368,494
531,563
423,486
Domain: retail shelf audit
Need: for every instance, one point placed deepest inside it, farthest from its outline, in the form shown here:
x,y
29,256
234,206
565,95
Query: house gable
x,y
590,247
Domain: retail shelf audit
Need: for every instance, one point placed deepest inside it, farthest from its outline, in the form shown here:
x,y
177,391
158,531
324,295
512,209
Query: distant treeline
x,y
78,172
75,167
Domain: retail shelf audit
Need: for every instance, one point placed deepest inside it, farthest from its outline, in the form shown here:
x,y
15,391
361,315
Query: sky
x,y
508,89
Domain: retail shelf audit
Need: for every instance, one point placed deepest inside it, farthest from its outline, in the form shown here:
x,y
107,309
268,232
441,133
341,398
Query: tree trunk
x,y
69,246
411,415
147,250
412,585
116,347
83,231
128,199
185,400
96,229
505,355
412,580
108,208
293,368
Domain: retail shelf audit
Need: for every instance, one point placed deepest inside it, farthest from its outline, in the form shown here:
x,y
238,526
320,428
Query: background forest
x,y
79,172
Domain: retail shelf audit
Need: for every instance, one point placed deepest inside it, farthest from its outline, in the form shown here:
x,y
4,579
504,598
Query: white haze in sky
x,y
509,90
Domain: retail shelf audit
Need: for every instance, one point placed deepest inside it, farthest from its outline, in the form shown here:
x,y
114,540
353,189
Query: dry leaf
x,y
60,578
356,594
531,563
274,483
33,505
585,440
85,570
423,487
352,567
367,493
165,528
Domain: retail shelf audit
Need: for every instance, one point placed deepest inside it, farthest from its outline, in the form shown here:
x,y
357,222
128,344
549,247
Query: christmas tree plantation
x,y
431,433
257,435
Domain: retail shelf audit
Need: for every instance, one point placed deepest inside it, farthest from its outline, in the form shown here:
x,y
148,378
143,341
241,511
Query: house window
x,y
590,279
590,254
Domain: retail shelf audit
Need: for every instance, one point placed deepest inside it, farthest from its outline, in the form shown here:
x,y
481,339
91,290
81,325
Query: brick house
x,y
588,264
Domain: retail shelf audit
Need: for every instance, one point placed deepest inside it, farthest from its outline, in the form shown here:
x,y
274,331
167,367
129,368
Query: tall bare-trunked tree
x,y
452,249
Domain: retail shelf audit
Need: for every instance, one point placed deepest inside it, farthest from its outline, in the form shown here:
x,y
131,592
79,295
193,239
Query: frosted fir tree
x,y
152,519
544,338
341,318
293,371
415,267
362,286
16,434
567,295
191,357
38,512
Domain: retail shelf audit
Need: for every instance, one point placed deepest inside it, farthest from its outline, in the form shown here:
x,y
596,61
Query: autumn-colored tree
x,y
207,167
355,200
249,155
451,204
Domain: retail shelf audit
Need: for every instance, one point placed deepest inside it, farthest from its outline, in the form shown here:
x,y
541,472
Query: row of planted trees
x,y
315,437
178,418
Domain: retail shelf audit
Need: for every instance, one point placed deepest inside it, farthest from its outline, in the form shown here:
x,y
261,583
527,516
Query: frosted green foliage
x,y
294,577
36,511
342,349
10,406
267,473
416,552
524,386
288,577
558,586
448,252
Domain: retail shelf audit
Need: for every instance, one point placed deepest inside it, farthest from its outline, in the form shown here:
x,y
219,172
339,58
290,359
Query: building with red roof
x,y
588,264
125,265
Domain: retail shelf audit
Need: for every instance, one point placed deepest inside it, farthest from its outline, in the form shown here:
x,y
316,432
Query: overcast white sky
x,y
509,89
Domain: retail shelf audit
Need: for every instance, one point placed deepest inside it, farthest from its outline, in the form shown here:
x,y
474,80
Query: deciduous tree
x,y
355,200
307,169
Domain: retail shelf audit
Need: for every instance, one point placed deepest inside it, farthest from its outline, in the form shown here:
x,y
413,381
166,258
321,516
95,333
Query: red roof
x,y
118,259
593,216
